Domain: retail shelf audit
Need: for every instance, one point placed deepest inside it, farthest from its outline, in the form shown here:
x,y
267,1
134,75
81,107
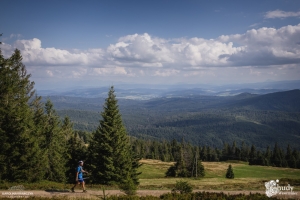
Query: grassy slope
x,y
246,177
153,177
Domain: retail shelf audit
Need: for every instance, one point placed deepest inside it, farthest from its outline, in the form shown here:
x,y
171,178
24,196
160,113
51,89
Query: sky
x,y
107,42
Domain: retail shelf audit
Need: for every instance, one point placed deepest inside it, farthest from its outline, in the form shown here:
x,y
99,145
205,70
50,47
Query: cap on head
x,y
80,162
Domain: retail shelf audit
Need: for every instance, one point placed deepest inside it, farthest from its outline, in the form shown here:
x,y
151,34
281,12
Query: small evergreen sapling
x,y
230,173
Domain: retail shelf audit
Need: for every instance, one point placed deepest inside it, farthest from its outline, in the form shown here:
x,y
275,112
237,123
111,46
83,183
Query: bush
x,y
214,196
183,187
171,172
168,196
128,187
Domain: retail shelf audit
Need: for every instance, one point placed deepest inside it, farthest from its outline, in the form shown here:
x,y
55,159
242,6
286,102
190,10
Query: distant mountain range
x,y
146,92
260,119
287,101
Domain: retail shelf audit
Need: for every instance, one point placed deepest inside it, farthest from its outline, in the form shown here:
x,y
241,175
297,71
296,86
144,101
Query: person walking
x,y
79,177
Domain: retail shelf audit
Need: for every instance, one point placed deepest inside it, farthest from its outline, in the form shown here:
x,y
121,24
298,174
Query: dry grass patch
x,y
156,162
204,183
217,169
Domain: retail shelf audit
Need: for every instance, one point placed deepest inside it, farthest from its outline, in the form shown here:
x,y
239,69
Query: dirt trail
x,y
98,193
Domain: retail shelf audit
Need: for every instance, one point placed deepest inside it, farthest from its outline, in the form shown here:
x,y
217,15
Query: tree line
x,y
173,151
36,145
257,127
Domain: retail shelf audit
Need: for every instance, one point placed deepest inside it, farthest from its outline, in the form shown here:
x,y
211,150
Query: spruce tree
x,y
203,153
67,128
296,159
55,145
208,153
226,152
111,159
229,173
181,165
276,158
267,156
200,169
39,119
244,152
19,148
76,150
288,156
233,151
134,170
252,155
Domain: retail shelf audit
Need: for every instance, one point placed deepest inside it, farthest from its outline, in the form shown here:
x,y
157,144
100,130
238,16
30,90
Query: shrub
x,y
171,172
183,187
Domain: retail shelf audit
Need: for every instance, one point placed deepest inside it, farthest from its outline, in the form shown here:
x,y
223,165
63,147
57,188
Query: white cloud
x,y
254,25
34,55
266,47
281,14
111,70
79,72
49,73
15,36
166,72
141,49
143,55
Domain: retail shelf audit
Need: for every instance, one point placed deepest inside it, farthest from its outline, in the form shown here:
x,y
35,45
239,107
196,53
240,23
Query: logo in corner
x,y
271,188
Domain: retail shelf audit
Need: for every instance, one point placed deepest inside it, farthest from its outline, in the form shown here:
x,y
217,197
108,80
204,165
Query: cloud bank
x,y
281,14
141,55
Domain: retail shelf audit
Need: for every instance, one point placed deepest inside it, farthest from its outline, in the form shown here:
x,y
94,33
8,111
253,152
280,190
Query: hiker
x,y
79,177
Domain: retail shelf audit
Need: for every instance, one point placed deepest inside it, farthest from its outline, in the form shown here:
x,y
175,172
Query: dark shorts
x,y
80,180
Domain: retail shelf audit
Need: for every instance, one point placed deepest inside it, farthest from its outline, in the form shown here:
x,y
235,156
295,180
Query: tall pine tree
x,y
39,119
76,150
55,145
19,144
111,159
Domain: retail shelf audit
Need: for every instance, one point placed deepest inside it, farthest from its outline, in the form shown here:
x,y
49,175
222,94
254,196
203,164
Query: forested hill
x,y
280,101
206,120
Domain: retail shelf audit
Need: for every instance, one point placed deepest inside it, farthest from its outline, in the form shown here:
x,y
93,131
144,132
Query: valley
x,y
259,119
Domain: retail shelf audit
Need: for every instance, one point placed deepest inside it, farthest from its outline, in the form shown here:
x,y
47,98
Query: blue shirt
x,y
79,170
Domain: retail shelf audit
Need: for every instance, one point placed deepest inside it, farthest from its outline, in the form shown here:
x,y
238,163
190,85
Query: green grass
x,y
248,171
247,177
51,186
152,169
43,185
153,177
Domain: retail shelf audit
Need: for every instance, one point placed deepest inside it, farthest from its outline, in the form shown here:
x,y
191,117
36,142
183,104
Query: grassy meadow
x,y
246,177
153,177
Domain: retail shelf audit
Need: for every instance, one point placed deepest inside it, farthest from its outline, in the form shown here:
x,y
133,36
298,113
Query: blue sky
x,y
96,43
